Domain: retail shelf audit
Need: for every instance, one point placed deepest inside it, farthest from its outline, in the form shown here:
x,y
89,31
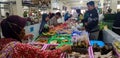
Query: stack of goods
x,y
80,36
102,52
79,50
64,31
53,31
116,45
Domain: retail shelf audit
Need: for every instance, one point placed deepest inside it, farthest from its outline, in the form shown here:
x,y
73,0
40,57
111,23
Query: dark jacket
x,y
116,23
91,17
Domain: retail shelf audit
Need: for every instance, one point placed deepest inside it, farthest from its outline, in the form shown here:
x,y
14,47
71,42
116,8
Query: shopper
x,y
12,47
109,11
51,15
91,20
54,20
116,24
66,16
80,15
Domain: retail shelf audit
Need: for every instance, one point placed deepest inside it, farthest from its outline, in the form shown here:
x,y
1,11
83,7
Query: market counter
x,y
109,36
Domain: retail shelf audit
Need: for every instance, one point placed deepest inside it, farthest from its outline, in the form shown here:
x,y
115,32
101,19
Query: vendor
x,y
91,20
45,18
12,47
116,24
56,20
44,27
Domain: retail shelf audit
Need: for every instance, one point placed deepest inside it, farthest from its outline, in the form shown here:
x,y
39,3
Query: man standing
x,y
91,20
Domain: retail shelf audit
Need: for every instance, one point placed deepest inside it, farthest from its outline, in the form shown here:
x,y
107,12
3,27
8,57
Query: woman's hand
x,y
28,36
51,26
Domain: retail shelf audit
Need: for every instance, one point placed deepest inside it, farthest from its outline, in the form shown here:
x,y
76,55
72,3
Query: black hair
x,y
91,3
9,32
52,15
58,13
7,14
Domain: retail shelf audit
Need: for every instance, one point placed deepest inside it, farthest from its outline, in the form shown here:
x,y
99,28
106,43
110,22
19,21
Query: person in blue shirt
x,y
67,16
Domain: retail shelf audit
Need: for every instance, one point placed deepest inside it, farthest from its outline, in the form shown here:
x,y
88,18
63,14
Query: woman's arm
x,y
20,50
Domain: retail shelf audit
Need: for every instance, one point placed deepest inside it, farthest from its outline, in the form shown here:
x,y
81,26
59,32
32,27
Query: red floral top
x,y
19,50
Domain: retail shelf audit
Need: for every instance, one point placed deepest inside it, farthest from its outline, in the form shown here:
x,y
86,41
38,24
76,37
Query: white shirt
x,y
60,20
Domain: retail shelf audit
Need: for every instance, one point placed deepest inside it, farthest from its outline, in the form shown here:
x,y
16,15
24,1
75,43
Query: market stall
x,y
73,33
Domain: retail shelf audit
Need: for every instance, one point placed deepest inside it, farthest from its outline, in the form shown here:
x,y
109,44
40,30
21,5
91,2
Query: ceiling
x,y
77,3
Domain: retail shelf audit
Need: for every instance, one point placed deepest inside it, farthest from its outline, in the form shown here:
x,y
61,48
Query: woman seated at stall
x,y
56,20
12,47
44,27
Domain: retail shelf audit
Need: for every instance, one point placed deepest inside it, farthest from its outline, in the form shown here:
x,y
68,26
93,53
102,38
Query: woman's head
x,y
58,15
45,17
51,15
13,27
78,11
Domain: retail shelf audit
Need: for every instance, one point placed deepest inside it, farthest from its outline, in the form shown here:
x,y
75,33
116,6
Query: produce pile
x,y
80,47
53,31
79,50
103,52
43,39
58,39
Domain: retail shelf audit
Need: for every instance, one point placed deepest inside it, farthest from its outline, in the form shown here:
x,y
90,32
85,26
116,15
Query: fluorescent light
x,y
39,10
81,2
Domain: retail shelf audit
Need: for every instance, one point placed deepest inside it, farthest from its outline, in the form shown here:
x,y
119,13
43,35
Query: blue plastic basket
x,y
100,43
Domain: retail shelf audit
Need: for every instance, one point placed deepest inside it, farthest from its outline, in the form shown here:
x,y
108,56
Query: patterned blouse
x,y
16,49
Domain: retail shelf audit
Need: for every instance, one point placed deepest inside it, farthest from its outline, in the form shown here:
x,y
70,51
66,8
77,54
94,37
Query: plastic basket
x,y
100,43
